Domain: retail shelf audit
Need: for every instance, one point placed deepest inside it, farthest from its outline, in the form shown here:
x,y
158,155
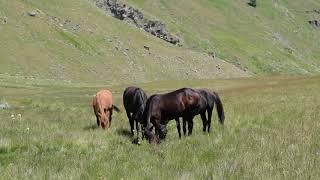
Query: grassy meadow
x,y
52,64
271,131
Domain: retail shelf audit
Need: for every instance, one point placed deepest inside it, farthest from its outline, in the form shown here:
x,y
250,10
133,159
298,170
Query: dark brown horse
x,y
207,101
164,107
134,101
103,107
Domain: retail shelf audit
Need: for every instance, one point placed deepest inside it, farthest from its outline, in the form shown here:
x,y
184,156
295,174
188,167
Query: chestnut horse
x,y
164,107
208,99
134,101
103,106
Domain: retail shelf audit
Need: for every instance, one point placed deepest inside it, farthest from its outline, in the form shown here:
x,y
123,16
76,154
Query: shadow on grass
x,y
124,132
91,127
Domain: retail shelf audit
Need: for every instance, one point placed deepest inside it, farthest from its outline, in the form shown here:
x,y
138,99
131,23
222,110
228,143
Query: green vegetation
x,y
52,64
74,41
271,132
277,33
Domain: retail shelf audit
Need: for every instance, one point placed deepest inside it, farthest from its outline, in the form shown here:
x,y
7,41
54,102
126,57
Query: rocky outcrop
x,y
124,12
315,20
4,20
313,11
315,23
4,105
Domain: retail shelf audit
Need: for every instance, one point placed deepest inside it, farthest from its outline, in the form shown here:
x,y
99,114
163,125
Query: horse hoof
x,y
139,143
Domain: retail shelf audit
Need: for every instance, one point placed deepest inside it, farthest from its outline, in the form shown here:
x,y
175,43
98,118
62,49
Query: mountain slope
x,y
274,37
75,41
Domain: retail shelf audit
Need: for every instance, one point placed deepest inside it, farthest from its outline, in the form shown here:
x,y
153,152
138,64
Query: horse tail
x,y
115,108
219,107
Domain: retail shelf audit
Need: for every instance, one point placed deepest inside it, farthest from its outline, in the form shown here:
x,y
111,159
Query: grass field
x,y
52,64
271,131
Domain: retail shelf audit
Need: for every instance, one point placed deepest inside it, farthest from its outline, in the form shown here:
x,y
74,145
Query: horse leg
x,y
157,131
204,121
110,116
137,127
209,118
131,121
178,127
184,126
190,126
142,131
98,121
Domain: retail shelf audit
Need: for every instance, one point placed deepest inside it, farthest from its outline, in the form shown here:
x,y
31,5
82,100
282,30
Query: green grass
x,y
235,30
104,49
271,131
49,73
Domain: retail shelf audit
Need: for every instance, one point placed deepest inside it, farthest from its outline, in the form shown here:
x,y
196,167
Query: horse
x,y
103,107
134,101
161,108
208,99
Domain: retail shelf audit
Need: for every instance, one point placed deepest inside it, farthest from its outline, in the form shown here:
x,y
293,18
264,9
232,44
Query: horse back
x,y
208,95
103,99
179,102
133,98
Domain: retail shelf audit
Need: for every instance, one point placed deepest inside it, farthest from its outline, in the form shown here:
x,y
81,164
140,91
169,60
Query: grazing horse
x,y
164,107
208,99
134,101
103,106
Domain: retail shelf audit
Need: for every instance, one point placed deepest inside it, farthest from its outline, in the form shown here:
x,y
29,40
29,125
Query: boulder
x,y
315,23
124,12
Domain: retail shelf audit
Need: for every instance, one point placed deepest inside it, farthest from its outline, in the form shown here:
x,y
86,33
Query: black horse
x,y
162,108
134,101
207,101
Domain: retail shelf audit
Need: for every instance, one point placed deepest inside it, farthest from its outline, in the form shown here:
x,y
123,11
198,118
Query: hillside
x,y
274,37
75,41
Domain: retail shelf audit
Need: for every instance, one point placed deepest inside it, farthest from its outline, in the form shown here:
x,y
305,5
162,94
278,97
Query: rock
x,y
212,54
4,20
158,29
124,12
76,27
32,13
146,47
4,105
315,23
313,11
